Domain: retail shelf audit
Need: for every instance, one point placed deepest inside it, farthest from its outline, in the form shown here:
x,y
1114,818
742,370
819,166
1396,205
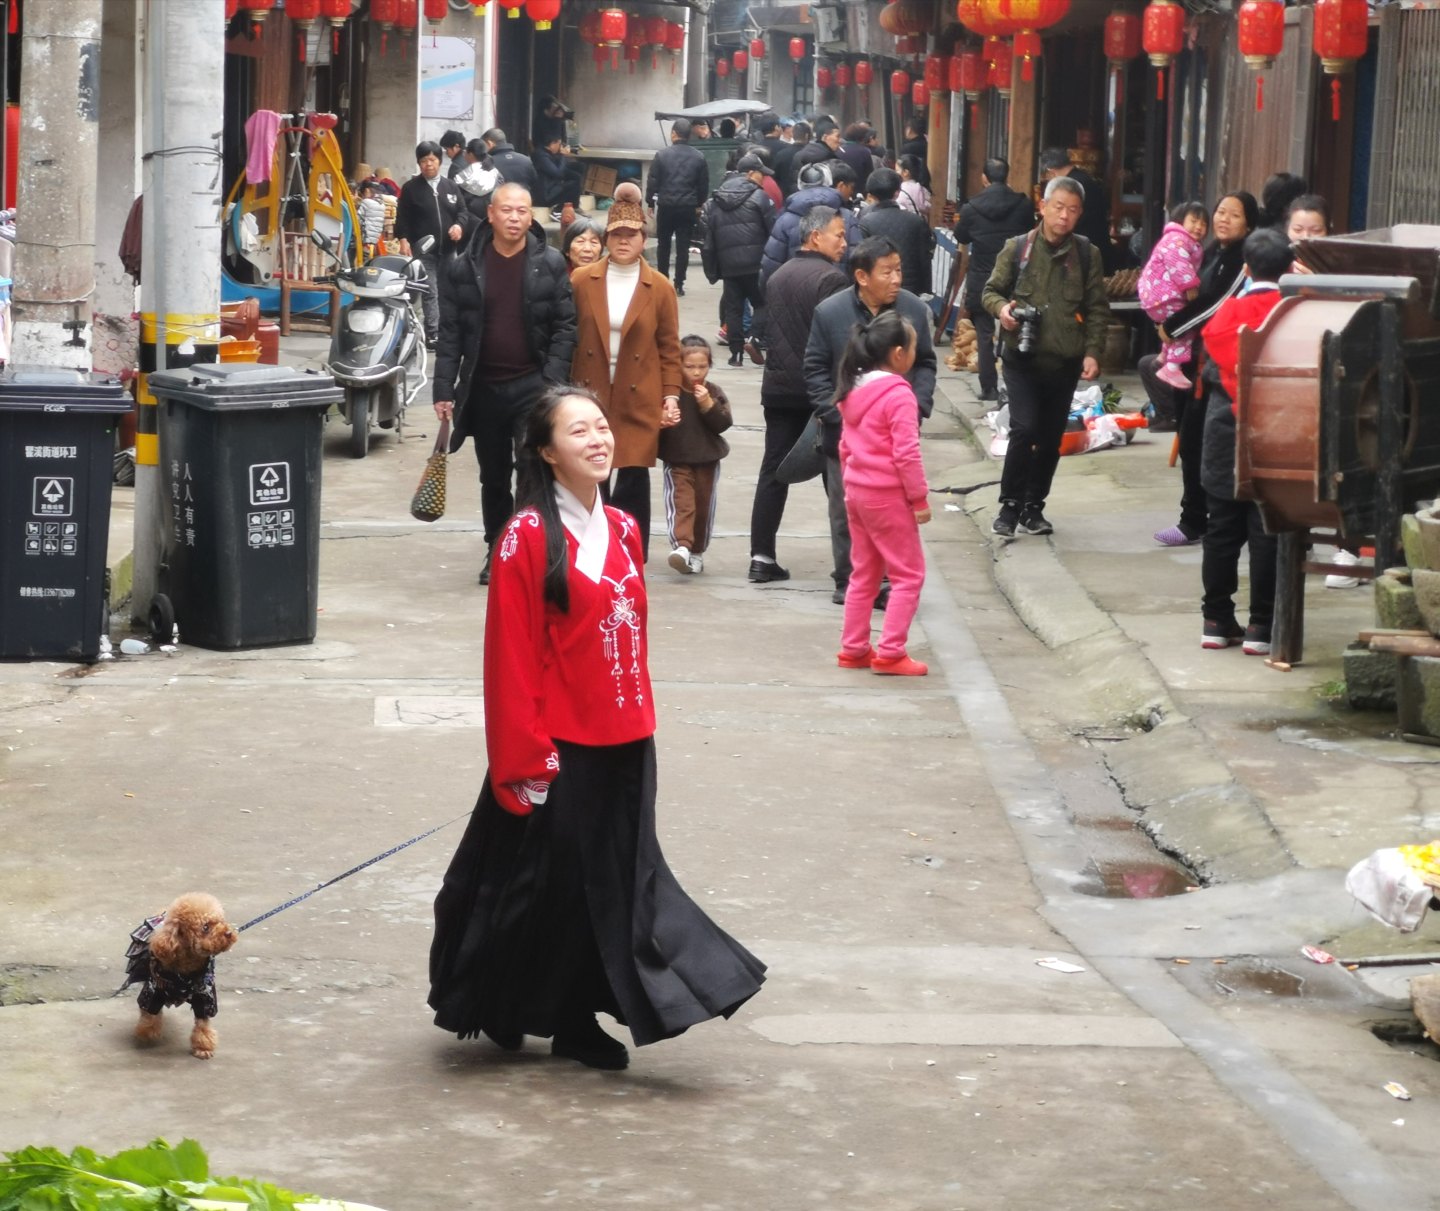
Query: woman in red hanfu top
x,y
558,903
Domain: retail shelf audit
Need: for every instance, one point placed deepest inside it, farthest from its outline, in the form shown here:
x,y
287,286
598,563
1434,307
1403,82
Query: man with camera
x,y
1047,291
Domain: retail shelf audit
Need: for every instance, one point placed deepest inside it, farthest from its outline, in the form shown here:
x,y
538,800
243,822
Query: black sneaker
x,y
589,1045
1032,521
485,569
1004,523
1221,633
1257,640
737,360
763,571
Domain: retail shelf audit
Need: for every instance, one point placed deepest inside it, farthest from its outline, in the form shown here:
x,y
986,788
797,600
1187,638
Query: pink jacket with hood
x,y
880,438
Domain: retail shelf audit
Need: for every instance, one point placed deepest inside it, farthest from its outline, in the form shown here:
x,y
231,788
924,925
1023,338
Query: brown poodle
x,y
173,957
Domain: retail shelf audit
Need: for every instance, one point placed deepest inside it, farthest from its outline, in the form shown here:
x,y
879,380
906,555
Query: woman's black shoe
x,y
591,1046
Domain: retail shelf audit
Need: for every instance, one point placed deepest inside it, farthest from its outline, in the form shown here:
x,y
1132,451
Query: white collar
x,y
591,529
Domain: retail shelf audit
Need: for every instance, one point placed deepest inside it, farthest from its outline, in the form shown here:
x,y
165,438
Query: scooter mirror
x,y
320,239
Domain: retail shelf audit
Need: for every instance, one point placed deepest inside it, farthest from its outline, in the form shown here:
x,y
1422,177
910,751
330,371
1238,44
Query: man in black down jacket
x,y
823,147
903,228
515,166
876,266
784,241
793,292
996,214
508,331
738,222
430,204
678,186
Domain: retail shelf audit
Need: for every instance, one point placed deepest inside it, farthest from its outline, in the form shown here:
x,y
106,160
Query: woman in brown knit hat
x,y
627,351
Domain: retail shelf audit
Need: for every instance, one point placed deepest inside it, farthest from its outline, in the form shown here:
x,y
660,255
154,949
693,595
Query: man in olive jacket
x,y
1061,275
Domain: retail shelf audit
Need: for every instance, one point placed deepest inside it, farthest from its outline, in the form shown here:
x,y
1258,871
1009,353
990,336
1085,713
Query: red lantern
x,y
1031,14
674,42
842,75
722,68
797,49
907,17
899,83
257,11
757,48
1002,69
613,27
384,13
864,74
1122,38
822,78
980,17
634,43
967,73
1342,34
920,94
937,78
1163,37
407,16
1028,47
542,12
741,60
1261,38
512,7
304,14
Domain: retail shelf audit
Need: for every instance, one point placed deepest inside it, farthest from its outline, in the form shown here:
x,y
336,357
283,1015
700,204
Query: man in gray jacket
x,y
876,266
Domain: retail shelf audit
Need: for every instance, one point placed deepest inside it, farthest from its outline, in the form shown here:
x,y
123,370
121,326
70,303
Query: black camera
x,y
1028,318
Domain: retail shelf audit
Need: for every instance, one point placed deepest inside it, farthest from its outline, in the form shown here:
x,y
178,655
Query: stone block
x,y
1425,1001
1427,597
1417,694
1369,679
1412,543
1428,522
1395,603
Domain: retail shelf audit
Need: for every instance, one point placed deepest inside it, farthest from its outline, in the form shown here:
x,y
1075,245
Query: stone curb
x,y
1190,803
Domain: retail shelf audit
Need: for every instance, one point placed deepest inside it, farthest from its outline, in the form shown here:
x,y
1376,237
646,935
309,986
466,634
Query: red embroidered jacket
x,y
582,676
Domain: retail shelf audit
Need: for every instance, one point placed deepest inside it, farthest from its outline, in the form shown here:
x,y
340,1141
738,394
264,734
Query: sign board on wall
x,y
447,78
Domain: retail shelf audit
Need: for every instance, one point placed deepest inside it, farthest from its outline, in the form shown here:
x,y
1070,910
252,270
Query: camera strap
x,y
1026,244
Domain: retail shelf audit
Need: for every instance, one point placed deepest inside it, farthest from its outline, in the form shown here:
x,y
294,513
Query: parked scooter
x,y
377,353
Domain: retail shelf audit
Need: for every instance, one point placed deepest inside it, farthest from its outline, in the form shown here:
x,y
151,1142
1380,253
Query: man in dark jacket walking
x,y
903,228
678,186
514,166
996,214
798,286
430,204
739,219
825,146
855,150
785,238
507,333
876,266
784,163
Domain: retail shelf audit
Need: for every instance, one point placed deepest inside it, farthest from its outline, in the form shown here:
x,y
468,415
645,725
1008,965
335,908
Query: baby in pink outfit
x,y
1170,279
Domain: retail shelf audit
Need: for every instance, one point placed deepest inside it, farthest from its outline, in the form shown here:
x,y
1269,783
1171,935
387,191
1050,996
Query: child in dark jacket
x,y
1232,523
692,451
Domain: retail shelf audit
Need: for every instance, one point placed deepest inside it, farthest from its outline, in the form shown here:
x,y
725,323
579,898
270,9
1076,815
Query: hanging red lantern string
x,y
634,43
1002,69
1261,38
655,31
674,42
435,11
512,7
797,49
1028,17
612,30
740,61
864,75
899,83
384,13
1163,37
542,12
407,17
842,75
981,17
722,68
1027,46
256,10
1122,38
822,78
937,78
1342,34
335,12
303,14
920,94
757,48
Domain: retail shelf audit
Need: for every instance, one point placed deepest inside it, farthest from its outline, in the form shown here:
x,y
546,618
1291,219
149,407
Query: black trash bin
x,y
57,455
240,495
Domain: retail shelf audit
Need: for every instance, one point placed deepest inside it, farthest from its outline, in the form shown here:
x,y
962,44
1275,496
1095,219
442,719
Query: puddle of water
x,y
1140,881
1255,977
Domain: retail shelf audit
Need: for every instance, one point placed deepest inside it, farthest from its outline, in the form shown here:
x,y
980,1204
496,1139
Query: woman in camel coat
x,y
627,351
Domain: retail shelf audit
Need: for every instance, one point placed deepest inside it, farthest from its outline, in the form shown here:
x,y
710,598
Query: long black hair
x,y
535,487
869,346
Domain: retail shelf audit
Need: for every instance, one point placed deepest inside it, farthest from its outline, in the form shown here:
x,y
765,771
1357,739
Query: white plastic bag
x,y
1390,890
1104,431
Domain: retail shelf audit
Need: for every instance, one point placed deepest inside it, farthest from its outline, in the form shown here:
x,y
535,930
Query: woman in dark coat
x,y
558,903
1221,274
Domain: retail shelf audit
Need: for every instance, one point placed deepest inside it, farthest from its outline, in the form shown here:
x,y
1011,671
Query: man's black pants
x,y
677,223
495,415
783,426
737,291
1041,395
984,344
1189,415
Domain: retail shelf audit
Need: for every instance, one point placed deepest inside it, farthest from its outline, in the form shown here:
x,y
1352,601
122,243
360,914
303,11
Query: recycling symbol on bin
x,y
54,496
269,483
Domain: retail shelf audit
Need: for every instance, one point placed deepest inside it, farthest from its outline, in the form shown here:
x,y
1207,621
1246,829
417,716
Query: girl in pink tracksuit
x,y
1170,279
886,497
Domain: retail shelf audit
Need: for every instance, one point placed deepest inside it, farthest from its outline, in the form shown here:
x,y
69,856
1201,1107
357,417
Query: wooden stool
x,y
333,313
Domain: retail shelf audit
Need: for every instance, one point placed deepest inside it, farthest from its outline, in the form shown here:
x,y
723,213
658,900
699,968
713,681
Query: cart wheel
x,y
162,619
359,424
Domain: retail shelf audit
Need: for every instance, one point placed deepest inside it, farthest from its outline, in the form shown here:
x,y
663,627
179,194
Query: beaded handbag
x,y
428,503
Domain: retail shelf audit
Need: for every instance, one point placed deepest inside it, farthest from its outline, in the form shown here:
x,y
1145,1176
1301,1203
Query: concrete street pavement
x,y
901,854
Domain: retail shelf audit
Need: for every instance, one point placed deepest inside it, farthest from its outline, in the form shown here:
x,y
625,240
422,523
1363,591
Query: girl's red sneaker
x,y
901,666
863,661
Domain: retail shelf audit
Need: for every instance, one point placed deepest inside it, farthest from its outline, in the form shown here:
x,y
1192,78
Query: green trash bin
x,y
240,454
57,457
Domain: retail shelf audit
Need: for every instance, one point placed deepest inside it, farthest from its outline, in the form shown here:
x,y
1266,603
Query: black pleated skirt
x,y
572,910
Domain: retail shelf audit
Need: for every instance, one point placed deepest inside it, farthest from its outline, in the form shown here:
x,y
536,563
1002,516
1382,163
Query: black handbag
x,y
806,459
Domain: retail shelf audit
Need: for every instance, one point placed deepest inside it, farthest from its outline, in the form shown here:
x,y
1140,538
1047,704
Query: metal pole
x,y
4,97
55,249
184,101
